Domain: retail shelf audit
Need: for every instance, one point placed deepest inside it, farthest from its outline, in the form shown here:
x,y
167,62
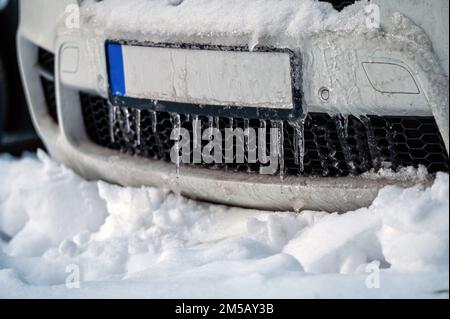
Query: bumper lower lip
x,y
235,189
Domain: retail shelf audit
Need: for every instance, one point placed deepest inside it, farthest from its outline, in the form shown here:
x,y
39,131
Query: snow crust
x,y
251,22
144,242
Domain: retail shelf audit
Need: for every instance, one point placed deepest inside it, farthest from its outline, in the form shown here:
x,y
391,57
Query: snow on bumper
x,y
239,189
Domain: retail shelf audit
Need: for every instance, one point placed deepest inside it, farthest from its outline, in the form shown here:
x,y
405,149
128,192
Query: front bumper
x,y
236,189
65,135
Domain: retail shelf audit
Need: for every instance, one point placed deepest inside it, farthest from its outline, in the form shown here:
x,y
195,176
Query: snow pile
x,y
144,242
39,220
407,230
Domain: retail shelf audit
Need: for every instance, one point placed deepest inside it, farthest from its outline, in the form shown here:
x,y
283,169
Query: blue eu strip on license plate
x,y
116,69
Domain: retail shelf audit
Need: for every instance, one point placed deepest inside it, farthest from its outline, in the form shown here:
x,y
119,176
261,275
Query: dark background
x,y
16,130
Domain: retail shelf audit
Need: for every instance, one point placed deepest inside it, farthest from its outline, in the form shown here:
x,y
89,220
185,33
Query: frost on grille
x,y
318,145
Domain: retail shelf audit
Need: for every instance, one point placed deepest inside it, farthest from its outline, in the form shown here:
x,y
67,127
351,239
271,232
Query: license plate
x,y
201,76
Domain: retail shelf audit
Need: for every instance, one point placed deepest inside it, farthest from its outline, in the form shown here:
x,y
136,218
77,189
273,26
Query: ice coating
x,y
154,121
299,140
279,145
249,22
138,126
112,121
176,122
196,130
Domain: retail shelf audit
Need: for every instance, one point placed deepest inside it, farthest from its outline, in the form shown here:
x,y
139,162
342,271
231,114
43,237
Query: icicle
x,y
210,122
246,124
281,144
154,121
296,145
301,146
210,126
342,125
263,124
217,122
299,141
217,127
342,130
126,112
246,135
229,139
138,126
231,121
346,126
280,141
195,122
124,119
176,121
263,153
112,121
372,142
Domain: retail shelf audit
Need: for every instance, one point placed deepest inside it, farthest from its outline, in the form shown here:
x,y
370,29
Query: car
x,y
341,95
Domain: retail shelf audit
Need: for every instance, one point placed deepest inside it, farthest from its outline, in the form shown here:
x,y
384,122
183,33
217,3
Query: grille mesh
x,y
334,146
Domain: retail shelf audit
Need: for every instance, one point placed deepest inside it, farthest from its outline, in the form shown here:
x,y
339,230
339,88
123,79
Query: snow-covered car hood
x,y
234,22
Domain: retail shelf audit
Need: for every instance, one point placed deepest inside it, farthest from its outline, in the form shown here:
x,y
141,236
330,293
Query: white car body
x,y
398,69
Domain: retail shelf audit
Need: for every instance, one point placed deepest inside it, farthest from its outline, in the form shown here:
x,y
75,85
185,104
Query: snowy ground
x,y
148,243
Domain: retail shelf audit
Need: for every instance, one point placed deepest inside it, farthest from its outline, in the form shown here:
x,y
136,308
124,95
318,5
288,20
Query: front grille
x,y
46,63
333,145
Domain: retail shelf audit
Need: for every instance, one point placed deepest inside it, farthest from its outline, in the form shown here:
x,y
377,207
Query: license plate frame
x,y
241,111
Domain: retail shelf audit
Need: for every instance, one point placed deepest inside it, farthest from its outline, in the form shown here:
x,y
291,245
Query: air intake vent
x,y
333,146
46,65
340,4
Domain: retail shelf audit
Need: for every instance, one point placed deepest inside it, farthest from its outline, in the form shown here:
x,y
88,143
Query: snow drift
x,y
149,243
